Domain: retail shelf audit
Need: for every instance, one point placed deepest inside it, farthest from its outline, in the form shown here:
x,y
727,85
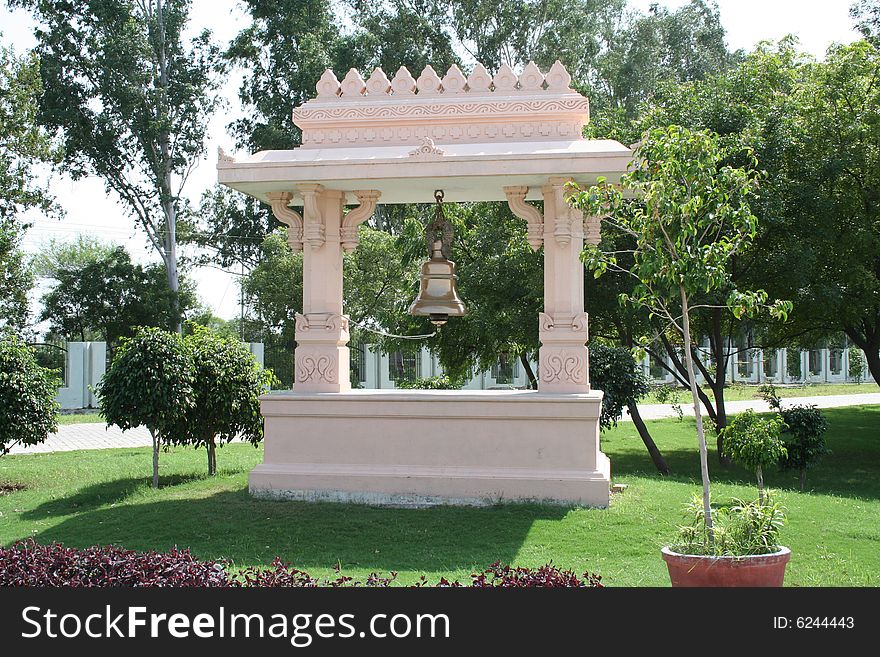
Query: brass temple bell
x,y
438,297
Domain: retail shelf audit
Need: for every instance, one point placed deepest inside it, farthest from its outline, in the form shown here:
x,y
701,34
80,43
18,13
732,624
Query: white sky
x,y
89,209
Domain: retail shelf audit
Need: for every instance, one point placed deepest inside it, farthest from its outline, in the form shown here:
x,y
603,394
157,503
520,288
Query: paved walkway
x,y
96,436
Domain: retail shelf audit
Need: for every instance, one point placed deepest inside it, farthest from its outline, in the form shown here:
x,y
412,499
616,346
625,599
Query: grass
x,y
742,392
80,418
102,496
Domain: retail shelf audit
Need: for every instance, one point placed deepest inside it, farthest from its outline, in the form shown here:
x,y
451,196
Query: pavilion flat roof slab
x,y
404,174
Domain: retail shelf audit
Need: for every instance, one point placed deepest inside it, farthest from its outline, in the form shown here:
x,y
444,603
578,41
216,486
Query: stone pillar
x,y
563,358
321,361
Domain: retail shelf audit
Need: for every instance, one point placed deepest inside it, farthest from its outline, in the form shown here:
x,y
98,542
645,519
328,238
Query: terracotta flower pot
x,y
752,570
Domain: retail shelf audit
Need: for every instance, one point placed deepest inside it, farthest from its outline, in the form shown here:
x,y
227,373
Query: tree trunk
x,y
155,437
760,474
873,358
869,342
718,384
701,436
803,479
212,458
527,366
682,370
166,196
642,428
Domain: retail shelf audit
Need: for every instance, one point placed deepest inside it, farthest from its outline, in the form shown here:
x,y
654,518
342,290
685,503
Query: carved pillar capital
x,y
516,201
367,199
279,202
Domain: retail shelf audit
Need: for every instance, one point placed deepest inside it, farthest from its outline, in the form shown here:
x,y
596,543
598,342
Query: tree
x,y
149,383
688,214
748,105
131,100
754,442
28,410
866,15
614,371
833,227
227,384
99,293
24,146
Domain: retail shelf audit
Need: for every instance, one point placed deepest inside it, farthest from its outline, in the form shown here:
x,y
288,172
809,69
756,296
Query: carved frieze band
x,y
367,200
516,200
568,324
511,130
287,216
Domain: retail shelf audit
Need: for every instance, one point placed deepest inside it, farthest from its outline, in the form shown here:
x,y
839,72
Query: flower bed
x,y
28,563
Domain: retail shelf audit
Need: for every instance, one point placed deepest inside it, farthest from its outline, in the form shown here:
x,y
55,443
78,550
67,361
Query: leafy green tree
x,y
866,15
149,383
16,279
131,99
833,228
754,442
688,214
97,292
227,383
748,105
24,146
28,410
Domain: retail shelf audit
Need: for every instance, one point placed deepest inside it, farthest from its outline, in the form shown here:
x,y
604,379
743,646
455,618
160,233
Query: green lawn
x,y
80,418
82,498
741,392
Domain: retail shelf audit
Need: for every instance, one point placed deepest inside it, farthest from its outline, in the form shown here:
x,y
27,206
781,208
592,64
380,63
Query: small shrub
x,y
805,428
741,529
857,366
804,439
753,441
149,383
28,410
28,563
614,371
432,383
227,383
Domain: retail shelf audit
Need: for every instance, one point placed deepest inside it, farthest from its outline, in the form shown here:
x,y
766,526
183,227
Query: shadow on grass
x,y
851,470
235,526
103,493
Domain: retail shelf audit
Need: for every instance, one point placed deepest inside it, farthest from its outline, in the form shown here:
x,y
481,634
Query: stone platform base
x,y
418,448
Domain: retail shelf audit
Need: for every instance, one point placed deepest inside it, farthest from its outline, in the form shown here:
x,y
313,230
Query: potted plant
x,y
745,550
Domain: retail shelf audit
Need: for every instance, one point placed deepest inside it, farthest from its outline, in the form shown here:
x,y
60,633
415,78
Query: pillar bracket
x,y
516,201
279,201
367,199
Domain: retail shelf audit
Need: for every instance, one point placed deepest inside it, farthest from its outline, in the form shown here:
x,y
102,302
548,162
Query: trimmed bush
x,y
28,563
28,410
